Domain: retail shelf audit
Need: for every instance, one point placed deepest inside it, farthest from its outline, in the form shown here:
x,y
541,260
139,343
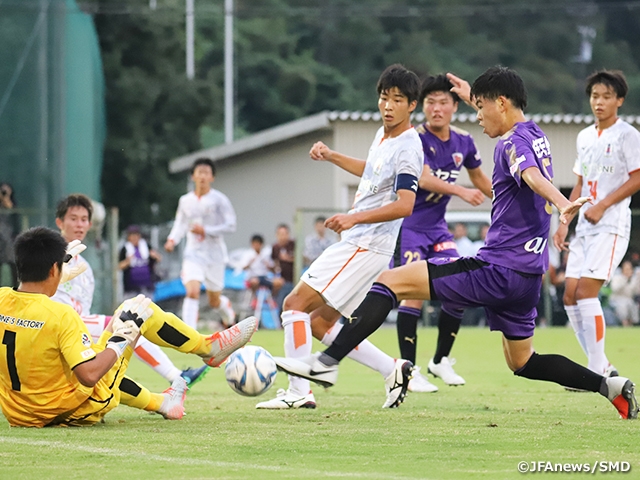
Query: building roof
x,y
324,120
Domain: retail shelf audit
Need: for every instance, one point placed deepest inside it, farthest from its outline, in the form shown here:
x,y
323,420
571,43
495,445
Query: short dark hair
x,y
204,161
614,79
73,200
36,251
404,80
319,219
257,238
283,225
439,83
501,81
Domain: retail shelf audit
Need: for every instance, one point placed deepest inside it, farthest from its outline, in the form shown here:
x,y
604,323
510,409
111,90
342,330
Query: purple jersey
x,y
519,231
445,160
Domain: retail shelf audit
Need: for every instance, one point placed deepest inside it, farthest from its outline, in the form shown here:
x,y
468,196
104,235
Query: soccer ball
x,y
250,371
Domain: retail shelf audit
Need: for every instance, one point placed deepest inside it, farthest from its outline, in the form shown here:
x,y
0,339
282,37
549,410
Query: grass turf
x,y
480,430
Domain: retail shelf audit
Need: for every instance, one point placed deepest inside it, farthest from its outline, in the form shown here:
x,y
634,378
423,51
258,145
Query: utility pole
x,y
228,71
190,20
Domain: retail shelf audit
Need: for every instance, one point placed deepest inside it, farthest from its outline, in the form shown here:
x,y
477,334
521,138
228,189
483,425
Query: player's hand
x,y
137,309
472,196
169,245
594,214
340,222
567,213
197,229
68,272
559,238
461,88
126,323
320,152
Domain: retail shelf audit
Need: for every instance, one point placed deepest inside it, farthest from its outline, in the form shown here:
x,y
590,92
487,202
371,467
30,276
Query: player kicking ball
x,y
51,372
506,275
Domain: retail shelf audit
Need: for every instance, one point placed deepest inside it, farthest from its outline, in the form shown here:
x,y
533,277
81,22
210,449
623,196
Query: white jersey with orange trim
x,y
604,162
387,159
215,213
78,292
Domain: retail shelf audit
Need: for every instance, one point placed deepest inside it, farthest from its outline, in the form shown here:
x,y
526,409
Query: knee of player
x,y
387,278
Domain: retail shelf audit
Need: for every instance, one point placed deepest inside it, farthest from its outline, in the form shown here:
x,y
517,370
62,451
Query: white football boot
x,y
397,382
445,371
172,407
310,368
622,395
420,384
286,400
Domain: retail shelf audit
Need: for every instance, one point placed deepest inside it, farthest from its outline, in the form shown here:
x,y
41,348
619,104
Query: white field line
x,y
194,461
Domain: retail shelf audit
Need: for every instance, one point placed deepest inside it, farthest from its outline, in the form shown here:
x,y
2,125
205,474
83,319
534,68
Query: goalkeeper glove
x,y
68,272
127,321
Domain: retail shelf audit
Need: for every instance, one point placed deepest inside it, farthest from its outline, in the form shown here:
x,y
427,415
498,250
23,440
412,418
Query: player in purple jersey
x,y
506,275
424,233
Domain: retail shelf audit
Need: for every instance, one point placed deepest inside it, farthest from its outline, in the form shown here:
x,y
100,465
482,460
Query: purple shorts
x,y
414,246
508,297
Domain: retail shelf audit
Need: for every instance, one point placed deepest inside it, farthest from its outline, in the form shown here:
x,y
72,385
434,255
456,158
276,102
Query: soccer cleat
x,y
226,342
194,375
285,400
420,384
172,407
445,371
622,395
610,371
310,368
225,310
397,383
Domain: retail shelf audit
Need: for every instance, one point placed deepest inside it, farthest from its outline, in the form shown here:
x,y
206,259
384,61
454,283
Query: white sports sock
x,y
152,355
190,309
593,326
366,353
573,312
297,344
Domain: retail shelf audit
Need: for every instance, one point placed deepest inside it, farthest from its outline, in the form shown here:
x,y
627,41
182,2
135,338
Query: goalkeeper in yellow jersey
x,y
51,372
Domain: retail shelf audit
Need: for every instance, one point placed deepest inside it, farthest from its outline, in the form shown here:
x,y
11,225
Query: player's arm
x,y
594,214
428,181
179,229
228,224
90,372
559,238
400,208
321,152
480,181
543,187
462,88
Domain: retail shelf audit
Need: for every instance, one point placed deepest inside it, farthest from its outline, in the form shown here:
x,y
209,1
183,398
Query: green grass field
x,y
480,430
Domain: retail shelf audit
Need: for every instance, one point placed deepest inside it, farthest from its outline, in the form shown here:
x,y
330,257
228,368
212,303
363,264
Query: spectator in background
x,y
316,242
625,286
137,262
259,265
478,244
282,255
464,245
8,231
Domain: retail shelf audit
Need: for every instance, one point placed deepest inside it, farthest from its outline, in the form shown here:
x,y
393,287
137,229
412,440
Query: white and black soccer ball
x,y
250,371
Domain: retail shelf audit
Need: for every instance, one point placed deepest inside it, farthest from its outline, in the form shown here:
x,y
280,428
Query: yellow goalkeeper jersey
x,y
42,341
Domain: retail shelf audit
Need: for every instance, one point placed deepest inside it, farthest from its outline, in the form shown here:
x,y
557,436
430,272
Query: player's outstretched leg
x,y
169,404
167,330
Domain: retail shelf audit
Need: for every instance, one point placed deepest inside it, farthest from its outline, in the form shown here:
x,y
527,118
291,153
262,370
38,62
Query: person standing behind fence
x,y
203,216
137,262
282,255
7,231
317,242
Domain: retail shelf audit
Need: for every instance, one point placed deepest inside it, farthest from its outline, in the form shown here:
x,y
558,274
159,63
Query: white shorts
x,y
212,275
596,256
96,324
343,275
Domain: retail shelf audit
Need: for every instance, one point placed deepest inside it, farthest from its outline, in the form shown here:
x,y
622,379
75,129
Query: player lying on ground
x,y
51,372
505,277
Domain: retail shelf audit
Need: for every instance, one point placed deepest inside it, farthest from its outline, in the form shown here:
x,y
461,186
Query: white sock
x,y
227,310
152,355
297,344
573,312
366,353
190,309
593,326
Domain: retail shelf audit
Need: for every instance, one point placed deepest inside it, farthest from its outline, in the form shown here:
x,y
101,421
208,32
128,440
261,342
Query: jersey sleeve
x,y
74,340
180,224
577,166
228,224
410,161
472,158
519,156
631,150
